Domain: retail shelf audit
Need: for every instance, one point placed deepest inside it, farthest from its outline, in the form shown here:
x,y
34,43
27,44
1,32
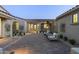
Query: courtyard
x,y
35,44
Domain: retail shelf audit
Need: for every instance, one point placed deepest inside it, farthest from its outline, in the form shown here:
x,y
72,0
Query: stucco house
x,y
11,25
68,23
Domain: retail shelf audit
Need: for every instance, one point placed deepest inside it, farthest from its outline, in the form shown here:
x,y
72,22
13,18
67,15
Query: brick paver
x,y
38,44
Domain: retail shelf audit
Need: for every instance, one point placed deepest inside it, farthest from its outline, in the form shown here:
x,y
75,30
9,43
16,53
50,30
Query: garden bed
x,y
74,48
65,39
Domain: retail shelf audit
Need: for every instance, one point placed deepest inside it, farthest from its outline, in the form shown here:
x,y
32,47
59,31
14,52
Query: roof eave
x,y
68,12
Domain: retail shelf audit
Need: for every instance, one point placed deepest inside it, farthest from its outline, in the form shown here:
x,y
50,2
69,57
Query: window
x,y
7,27
45,26
35,27
75,18
31,26
62,27
21,27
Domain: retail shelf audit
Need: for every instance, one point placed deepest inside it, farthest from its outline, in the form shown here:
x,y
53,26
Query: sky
x,y
37,11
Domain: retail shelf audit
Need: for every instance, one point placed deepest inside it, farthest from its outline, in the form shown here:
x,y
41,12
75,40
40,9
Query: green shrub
x,y
72,41
24,33
65,38
61,36
12,52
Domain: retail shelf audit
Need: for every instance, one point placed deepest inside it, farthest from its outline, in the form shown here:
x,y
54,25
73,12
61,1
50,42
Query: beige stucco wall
x,y
8,22
72,31
2,29
23,23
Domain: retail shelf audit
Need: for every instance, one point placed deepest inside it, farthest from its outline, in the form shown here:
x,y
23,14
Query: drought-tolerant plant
x,y
12,52
65,38
61,36
51,32
23,33
72,41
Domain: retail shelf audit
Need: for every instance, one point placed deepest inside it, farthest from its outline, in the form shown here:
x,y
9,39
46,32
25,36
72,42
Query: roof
x,y
68,12
40,19
3,10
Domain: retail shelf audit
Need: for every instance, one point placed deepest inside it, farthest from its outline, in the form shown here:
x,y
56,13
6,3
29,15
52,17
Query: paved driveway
x,y
38,44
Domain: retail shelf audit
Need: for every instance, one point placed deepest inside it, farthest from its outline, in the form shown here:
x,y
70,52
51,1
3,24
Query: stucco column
x,y
28,27
25,26
11,30
0,27
3,28
38,28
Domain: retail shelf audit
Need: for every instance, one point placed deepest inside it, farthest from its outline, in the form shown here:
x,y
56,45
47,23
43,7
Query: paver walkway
x,y
38,44
6,41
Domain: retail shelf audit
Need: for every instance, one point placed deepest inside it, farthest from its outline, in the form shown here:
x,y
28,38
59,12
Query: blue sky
x,y
37,11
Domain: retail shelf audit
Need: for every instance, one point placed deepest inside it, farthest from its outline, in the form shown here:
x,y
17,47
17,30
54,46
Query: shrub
x,y
24,33
65,38
72,41
61,36
51,32
12,52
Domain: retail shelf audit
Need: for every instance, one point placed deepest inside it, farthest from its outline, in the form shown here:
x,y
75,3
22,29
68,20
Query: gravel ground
x,y
38,44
